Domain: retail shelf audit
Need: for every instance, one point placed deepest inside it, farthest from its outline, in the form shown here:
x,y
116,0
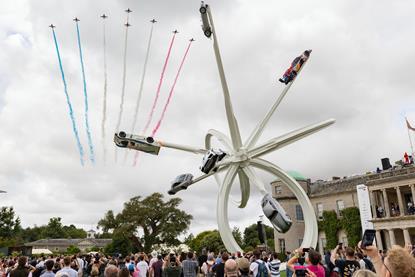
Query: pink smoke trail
x,y
171,92
150,116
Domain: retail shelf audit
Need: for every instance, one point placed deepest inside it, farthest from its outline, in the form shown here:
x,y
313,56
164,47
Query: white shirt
x,y
254,267
69,271
142,267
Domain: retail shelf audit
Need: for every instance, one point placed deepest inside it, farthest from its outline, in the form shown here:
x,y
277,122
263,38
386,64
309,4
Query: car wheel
x,y
208,33
150,139
202,10
122,134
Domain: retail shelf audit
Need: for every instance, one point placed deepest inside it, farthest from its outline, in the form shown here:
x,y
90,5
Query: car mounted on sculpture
x,y
140,143
210,159
276,214
207,30
181,182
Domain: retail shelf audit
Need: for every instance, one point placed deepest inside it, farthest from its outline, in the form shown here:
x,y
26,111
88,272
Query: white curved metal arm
x,y
245,188
289,138
220,137
233,124
185,148
310,221
255,179
222,211
256,133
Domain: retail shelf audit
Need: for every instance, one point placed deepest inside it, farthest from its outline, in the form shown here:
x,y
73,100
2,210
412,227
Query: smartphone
x,y
306,250
368,237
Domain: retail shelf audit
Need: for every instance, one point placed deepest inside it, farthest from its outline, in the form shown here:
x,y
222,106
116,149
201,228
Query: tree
x,y
9,227
72,232
213,242
159,221
54,229
251,239
350,222
72,249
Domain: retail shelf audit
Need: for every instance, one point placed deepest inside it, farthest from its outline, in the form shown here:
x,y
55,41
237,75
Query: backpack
x,y
262,270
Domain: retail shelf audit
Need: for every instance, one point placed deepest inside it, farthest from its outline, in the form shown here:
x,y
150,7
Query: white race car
x,y
140,143
276,214
181,182
210,159
207,30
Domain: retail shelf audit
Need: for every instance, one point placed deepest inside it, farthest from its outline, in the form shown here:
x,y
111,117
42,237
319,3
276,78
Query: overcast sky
x,y
360,73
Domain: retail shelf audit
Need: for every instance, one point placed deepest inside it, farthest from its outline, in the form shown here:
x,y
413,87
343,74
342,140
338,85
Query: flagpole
x,y
409,136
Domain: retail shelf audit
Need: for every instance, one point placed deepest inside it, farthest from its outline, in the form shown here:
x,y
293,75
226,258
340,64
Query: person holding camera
x,y
172,266
307,267
348,265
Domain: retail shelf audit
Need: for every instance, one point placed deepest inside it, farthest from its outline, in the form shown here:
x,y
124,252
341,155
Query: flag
x,y
409,125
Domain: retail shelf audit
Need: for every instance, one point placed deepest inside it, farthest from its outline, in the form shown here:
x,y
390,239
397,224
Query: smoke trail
x,y
171,92
68,101
104,109
123,81
88,131
150,116
140,91
159,86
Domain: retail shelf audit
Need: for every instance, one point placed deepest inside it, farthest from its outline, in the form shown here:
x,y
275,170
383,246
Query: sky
x,y
359,73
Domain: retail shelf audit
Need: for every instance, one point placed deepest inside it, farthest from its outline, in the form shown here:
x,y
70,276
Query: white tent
x,y
41,251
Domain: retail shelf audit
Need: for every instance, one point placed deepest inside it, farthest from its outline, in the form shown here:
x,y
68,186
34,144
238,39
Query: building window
x,y
278,190
340,207
300,241
299,212
282,245
320,210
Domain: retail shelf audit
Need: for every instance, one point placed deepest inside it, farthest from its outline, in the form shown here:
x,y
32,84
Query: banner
x,y
364,207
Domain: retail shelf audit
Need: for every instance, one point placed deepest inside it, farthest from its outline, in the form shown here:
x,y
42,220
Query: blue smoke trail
x,y
68,101
88,131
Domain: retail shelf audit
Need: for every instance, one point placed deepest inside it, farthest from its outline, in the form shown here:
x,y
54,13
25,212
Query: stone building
x,y
386,187
61,245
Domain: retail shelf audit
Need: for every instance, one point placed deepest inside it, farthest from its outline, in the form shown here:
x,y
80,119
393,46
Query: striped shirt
x,y
274,267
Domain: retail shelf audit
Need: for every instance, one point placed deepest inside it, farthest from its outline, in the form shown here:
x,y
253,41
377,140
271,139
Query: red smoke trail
x,y
150,116
171,92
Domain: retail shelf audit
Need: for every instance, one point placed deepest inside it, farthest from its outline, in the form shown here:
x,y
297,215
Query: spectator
x,y
359,258
243,267
142,266
398,262
346,266
364,273
21,270
274,265
49,267
156,268
231,268
67,269
202,258
219,269
258,265
171,267
208,266
190,266
111,271
313,265
124,272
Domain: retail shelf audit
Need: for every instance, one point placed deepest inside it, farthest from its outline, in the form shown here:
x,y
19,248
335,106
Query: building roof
x,y
67,242
297,175
320,188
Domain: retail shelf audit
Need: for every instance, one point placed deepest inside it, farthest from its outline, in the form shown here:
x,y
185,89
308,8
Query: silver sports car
x,y
181,182
276,214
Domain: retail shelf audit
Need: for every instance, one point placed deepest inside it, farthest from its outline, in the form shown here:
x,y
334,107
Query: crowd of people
x,y
341,261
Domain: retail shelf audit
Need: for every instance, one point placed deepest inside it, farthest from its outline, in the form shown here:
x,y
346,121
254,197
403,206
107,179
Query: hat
x,y
154,254
243,263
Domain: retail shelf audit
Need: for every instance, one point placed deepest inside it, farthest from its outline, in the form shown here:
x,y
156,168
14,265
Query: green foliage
x,y
350,223
251,239
72,232
120,244
213,242
330,225
54,229
9,223
196,243
73,250
160,221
